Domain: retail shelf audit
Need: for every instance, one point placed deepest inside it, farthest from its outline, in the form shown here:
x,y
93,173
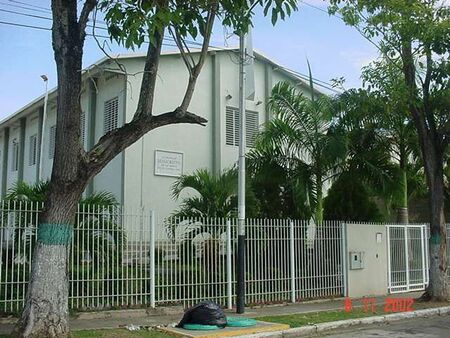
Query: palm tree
x,y
215,195
301,138
383,145
97,219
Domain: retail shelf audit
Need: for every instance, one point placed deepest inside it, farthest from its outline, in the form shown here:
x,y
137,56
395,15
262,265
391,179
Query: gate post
x,y
344,257
407,257
422,246
152,259
388,245
229,268
292,260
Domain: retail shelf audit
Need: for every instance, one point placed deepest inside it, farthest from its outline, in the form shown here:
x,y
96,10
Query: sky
x,y
333,49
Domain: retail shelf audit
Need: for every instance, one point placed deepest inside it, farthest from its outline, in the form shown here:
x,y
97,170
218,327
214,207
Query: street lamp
x,y
44,118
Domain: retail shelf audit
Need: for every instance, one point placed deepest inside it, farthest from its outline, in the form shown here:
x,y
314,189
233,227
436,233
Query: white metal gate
x,y
407,258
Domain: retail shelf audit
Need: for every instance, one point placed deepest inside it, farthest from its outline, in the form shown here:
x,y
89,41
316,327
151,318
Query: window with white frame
x,y
232,126
110,115
32,150
52,142
15,155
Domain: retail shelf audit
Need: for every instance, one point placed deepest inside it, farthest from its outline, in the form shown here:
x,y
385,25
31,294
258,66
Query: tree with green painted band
x,y
435,239
54,234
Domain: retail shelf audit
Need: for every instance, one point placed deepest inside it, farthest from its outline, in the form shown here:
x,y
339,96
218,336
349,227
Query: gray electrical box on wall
x,y
356,260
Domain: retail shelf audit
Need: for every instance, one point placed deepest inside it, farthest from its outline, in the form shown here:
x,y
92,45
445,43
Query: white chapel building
x,y
144,173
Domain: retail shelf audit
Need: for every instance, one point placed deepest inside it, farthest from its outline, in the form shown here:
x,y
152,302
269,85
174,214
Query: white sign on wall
x,y
168,163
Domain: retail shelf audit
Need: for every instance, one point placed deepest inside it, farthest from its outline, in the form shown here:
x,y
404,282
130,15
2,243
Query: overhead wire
x,y
305,77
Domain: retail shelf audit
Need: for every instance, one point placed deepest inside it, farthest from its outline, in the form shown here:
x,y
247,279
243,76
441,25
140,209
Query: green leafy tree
x,y
301,138
278,191
382,141
130,23
349,200
415,35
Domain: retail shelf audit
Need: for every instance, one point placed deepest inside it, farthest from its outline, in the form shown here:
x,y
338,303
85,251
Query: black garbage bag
x,y
204,313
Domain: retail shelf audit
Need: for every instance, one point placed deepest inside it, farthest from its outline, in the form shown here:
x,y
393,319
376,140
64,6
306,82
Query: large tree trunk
x,y
433,163
438,287
431,146
46,307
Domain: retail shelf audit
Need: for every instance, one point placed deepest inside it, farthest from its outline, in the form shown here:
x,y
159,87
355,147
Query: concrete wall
x,y
202,147
131,175
142,186
2,159
372,279
14,137
110,179
32,128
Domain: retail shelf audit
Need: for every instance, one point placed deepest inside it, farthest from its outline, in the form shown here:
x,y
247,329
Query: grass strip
x,y
310,318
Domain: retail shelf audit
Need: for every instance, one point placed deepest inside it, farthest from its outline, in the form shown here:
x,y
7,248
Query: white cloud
x,y
358,58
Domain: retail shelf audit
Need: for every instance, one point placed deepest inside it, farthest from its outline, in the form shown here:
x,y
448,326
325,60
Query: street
x,y
438,326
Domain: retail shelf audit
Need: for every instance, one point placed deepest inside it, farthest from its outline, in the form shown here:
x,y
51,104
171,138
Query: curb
x,y
309,330
115,314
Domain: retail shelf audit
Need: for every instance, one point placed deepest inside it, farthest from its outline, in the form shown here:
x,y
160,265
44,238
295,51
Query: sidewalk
x,y
120,318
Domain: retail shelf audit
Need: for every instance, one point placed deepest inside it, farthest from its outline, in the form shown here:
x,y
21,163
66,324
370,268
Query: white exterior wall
x,y
47,162
219,78
195,142
2,158
363,238
14,135
131,175
32,128
110,178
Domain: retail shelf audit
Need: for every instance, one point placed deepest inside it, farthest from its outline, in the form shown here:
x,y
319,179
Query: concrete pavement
x,y
142,317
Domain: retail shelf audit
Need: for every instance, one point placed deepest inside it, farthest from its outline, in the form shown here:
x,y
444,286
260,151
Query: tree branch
x,y
198,66
88,7
114,142
426,91
179,42
146,96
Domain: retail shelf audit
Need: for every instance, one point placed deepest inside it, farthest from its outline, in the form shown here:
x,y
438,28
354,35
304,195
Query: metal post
x,y
406,258
152,259
388,243
240,306
344,257
422,247
292,260
427,257
44,118
229,270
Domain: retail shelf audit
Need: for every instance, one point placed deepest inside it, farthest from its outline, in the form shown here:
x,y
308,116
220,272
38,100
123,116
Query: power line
x,y
318,82
320,9
30,5
22,7
49,29
89,25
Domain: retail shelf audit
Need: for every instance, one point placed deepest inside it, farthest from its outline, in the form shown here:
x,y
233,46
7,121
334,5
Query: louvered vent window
x,y
232,127
82,127
15,156
111,115
52,142
252,124
32,150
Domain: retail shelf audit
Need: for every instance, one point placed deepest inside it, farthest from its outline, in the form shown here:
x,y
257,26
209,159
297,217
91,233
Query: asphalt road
x,y
431,327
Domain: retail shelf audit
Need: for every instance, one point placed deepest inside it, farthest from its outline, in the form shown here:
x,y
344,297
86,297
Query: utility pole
x,y
240,306
44,118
